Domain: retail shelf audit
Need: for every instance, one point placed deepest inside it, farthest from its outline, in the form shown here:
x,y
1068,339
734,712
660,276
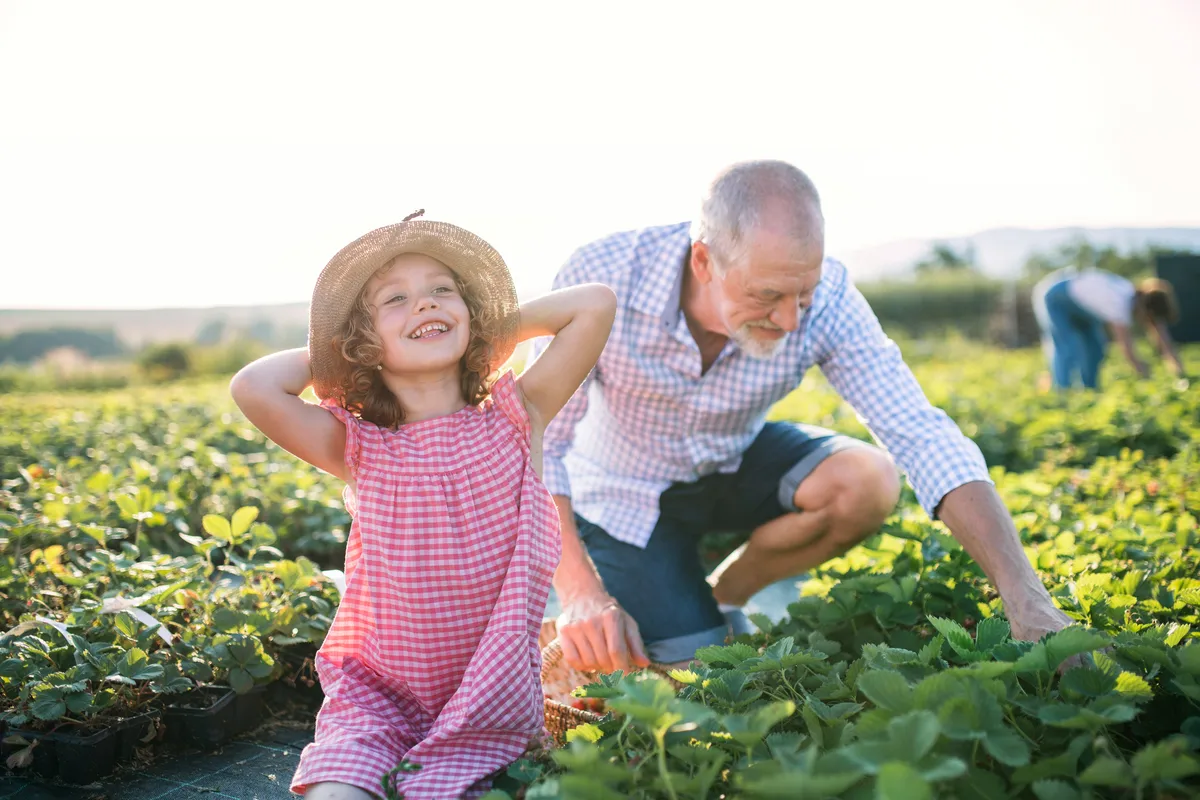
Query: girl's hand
x,y
268,393
579,318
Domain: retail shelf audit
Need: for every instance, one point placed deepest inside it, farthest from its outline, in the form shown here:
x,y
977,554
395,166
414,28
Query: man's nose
x,y
787,316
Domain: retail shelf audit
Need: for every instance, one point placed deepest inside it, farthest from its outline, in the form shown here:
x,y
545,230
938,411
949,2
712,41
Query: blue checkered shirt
x,y
645,417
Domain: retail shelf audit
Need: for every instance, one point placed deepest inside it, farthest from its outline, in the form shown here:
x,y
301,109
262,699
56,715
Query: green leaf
x,y
289,573
262,534
1108,771
96,532
128,506
218,527
126,624
226,619
242,519
1133,686
1070,642
731,655
1160,761
888,690
793,786
240,680
148,672
899,781
1087,682
78,702
981,784
48,708
932,649
914,734
960,641
586,732
1055,790
1063,765
1007,747
991,632
1177,634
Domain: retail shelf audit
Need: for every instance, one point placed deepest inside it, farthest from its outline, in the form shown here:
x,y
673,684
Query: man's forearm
x,y
978,519
576,575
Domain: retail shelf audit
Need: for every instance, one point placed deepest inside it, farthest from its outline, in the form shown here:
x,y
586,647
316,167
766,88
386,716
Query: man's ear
x,y
701,263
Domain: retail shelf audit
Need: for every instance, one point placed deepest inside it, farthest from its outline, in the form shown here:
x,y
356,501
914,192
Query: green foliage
x,y
165,362
894,674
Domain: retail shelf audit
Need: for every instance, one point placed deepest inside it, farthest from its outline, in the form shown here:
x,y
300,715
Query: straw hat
x,y
476,263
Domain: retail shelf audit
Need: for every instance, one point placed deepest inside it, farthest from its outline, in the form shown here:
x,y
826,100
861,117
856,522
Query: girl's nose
x,y
427,302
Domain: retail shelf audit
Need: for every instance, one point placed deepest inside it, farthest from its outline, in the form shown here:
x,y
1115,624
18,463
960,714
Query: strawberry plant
x,y
152,541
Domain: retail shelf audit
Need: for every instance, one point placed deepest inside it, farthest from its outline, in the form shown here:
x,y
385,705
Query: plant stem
x,y
661,753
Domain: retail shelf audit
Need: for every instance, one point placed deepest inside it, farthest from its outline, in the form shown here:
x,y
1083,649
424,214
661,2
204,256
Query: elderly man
x,y
667,438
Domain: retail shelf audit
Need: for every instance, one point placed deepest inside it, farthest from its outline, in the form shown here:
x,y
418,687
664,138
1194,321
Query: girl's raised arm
x,y
579,318
268,393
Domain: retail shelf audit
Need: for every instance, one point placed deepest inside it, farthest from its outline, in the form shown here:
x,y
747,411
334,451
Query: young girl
x,y
432,657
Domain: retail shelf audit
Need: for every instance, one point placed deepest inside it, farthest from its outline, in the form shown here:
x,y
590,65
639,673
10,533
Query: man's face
x,y
763,296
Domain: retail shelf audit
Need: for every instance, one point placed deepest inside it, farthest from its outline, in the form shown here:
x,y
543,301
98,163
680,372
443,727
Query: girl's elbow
x,y
605,301
242,388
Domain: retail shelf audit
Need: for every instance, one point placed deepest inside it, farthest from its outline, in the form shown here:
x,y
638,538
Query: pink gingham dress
x,y
433,654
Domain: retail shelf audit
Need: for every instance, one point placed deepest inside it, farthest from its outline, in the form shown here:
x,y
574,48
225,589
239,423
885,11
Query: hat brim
x,y
477,264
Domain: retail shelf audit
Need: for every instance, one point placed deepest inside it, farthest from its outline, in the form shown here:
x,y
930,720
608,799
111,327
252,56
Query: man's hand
x,y
1039,618
1036,620
598,636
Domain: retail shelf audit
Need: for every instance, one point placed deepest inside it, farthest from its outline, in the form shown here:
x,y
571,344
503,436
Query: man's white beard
x,y
760,349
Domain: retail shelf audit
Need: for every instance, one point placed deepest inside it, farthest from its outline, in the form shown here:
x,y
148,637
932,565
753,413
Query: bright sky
x,y
180,154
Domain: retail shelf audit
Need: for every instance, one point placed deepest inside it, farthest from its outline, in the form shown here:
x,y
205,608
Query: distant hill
x,y
1002,252
285,322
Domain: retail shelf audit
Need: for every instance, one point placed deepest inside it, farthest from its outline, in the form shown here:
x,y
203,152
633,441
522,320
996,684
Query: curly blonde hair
x,y
362,390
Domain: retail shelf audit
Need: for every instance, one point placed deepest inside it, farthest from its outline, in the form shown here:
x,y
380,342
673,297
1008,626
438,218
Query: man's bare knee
x,y
862,489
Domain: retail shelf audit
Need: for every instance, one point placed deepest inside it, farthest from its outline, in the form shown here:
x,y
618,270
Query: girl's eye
x,y
398,298
443,289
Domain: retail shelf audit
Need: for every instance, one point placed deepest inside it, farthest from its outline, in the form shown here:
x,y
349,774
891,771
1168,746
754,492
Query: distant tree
x,y
25,347
944,258
261,330
165,362
211,332
1082,254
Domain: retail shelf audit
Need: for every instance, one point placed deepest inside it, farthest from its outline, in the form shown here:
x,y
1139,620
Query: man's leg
x,y
843,491
662,586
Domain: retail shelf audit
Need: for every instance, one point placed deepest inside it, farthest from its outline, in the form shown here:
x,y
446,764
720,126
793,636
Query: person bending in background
x,y
1073,308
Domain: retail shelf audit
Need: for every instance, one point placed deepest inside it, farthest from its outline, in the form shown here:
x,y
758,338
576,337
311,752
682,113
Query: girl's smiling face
x,y
419,314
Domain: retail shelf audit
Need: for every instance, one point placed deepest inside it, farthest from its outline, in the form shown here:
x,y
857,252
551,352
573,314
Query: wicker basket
x,y
561,717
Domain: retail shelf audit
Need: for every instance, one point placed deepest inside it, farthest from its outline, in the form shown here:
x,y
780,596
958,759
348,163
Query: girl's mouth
x,y
430,330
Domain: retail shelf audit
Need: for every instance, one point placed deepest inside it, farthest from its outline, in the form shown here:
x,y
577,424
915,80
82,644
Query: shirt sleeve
x,y
560,433
865,367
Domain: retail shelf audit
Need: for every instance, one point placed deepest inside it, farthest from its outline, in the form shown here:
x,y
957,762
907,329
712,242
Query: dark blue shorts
x,y
663,587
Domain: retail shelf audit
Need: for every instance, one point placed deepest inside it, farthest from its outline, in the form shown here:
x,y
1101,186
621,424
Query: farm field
x,y
152,542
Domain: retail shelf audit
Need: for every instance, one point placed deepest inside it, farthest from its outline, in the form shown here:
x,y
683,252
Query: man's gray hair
x,y
735,199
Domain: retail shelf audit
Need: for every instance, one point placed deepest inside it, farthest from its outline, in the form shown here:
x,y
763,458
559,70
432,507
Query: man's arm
x,y
976,516
945,467
595,633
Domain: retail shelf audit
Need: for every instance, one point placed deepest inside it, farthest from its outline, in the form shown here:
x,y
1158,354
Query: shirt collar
x,y
660,289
